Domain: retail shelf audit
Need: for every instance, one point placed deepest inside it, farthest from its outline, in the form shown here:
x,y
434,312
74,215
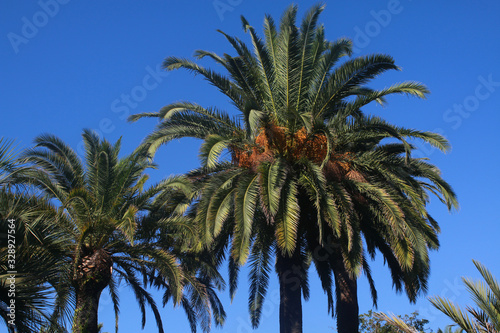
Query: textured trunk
x,y
92,275
87,303
347,297
289,275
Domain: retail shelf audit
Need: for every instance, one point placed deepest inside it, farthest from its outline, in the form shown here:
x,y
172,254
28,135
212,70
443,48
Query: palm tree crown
x,y
104,234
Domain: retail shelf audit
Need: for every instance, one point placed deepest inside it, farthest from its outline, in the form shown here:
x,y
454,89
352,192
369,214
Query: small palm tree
x,y
99,212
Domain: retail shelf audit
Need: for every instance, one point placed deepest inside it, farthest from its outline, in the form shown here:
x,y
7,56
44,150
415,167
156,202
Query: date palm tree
x,y
104,235
308,175
25,301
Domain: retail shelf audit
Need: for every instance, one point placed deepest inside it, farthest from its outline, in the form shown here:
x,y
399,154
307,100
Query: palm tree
x,y
99,212
308,173
32,299
483,319
34,261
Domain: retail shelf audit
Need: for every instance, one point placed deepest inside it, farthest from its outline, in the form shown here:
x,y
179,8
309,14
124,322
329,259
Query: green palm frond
x,y
455,313
226,86
8,154
211,150
272,179
396,322
260,262
245,204
287,218
484,318
115,299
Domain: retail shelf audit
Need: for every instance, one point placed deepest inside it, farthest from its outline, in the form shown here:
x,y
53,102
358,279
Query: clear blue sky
x,y
89,64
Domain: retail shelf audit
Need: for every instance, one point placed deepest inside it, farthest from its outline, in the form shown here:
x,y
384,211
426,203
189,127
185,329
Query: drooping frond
x,y
287,218
260,262
245,204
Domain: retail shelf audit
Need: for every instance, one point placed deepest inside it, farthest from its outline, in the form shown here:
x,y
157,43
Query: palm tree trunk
x,y
346,291
87,303
92,275
288,269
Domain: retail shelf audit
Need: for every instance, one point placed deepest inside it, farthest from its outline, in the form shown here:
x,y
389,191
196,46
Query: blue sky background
x,y
71,64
